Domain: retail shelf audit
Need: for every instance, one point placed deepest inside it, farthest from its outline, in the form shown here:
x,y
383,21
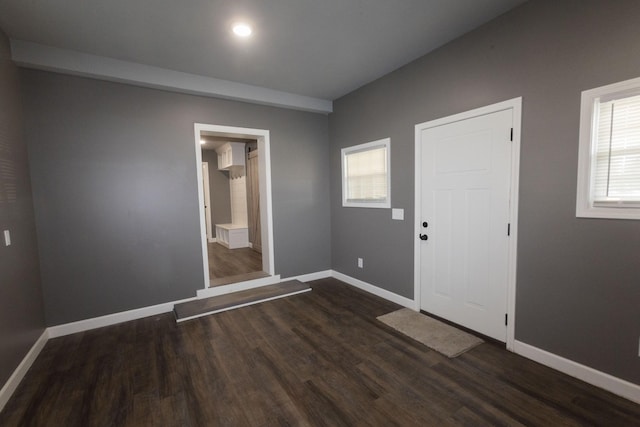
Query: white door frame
x,y
515,105
207,201
266,215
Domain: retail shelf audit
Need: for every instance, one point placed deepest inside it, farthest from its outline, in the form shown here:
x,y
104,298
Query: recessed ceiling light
x,y
242,30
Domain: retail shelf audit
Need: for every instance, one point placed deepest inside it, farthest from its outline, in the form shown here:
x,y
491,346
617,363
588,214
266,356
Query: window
x,y
609,153
365,175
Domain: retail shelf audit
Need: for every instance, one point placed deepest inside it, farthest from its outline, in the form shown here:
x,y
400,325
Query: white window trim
x,y
585,207
386,143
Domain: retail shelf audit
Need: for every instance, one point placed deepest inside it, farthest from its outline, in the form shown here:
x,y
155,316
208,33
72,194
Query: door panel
x,y
477,208
442,240
476,146
465,187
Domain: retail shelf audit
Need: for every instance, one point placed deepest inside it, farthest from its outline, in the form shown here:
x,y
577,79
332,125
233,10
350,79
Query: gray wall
x,y
115,192
21,308
578,292
219,189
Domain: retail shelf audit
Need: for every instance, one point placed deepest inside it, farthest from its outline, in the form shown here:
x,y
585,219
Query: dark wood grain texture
x,y
227,301
237,278
224,262
318,359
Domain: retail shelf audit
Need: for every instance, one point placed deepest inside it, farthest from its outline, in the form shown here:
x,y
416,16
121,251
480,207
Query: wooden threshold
x,y
237,278
206,306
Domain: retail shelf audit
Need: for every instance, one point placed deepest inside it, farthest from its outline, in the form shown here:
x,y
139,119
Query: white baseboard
x,y
584,373
236,287
311,276
212,240
112,319
139,313
14,380
382,293
589,375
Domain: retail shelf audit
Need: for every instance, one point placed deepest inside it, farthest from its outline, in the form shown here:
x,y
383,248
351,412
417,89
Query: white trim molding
x,y
43,57
14,380
375,290
262,136
584,373
311,276
384,144
590,101
515,105
112,319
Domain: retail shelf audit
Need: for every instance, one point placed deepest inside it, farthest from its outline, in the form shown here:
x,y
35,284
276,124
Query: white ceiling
x,y
316,48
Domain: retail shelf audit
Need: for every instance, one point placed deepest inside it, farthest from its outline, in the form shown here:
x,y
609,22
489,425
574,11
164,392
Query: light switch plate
x,y
397,214
7,238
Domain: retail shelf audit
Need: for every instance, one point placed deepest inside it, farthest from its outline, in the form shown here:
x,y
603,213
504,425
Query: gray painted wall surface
x,y
219,189
21,308
578,282
115,191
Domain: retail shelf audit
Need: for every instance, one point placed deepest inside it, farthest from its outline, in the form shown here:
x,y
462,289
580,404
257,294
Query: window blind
x,y
616,178
366,175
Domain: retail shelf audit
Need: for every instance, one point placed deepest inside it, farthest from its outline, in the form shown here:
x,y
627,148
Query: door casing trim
x,y
515,105
266,203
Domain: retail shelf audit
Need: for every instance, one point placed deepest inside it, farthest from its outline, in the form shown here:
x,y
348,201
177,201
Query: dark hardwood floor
x,y
316,359
225,262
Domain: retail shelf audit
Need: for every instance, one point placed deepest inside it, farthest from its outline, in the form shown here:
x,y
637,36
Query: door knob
x,y
423,237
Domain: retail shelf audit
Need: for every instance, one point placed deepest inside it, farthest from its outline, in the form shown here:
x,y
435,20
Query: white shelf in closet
x,y
230,155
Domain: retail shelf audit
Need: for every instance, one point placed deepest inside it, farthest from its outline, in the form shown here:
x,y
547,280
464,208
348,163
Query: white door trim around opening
x,y
266,214
207,201
512,104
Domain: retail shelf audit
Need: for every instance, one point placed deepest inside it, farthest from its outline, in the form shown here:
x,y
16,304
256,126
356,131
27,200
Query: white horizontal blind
x,y
616,178
366,175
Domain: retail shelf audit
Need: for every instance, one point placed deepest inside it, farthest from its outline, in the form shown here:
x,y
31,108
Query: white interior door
x,y
207,200
464,203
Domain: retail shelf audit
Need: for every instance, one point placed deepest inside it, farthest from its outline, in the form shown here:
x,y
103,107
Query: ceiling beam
x,y
42,57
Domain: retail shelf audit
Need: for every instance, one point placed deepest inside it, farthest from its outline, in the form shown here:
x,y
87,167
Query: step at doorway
x,y
206,306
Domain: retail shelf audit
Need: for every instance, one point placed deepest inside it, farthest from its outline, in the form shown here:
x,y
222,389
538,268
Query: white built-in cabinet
x,y
232,236
230,155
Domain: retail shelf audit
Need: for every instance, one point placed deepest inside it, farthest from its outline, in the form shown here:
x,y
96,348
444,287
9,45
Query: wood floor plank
x,y
553,388
319,359
227,280
224,262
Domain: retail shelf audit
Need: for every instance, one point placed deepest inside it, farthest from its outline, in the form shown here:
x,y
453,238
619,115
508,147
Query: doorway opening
x,y
234,204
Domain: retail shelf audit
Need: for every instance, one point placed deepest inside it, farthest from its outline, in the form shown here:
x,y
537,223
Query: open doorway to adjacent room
x,y
234,191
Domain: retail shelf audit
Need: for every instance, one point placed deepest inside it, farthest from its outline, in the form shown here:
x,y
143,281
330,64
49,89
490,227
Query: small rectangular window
x,y
365,175
617,152
609,158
